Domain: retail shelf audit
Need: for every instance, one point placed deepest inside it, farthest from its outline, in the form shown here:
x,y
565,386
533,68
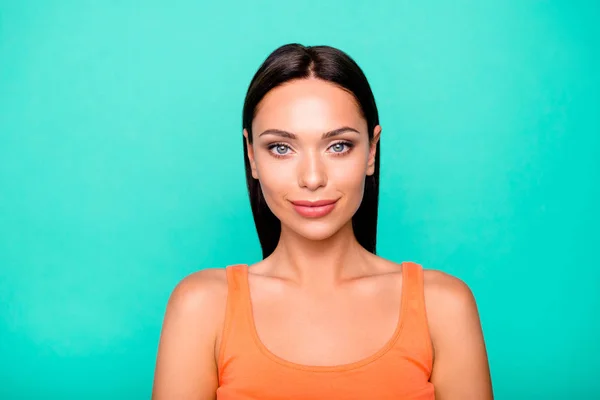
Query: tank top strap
x,y
413,285
237,275
416,327
235,310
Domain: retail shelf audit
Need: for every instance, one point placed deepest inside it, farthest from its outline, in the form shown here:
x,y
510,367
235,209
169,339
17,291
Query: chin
x,y
315,230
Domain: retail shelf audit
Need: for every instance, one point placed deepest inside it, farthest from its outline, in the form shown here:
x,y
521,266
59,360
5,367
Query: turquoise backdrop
x,y
121,172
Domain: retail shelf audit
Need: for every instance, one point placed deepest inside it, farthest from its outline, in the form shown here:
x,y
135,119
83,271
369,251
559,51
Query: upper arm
x,y
186,366
460,368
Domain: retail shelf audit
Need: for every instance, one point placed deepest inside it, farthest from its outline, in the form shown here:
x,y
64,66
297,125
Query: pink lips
x,y
314,209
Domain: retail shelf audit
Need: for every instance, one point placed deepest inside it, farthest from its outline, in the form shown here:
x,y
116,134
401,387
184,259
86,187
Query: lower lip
x,y
314,212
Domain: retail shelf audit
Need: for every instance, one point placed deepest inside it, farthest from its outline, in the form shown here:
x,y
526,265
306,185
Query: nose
x,y
311,171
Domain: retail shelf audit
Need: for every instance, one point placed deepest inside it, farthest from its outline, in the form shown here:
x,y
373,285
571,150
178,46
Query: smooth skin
x,y
310,296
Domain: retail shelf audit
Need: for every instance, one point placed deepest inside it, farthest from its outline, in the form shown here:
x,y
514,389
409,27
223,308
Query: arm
x,y
460,367
186,365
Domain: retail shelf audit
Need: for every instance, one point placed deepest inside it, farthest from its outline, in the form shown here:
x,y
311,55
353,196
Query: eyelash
x,y
349,145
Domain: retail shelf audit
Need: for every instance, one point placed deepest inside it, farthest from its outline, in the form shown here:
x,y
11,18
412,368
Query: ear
x,y
373,150
250,155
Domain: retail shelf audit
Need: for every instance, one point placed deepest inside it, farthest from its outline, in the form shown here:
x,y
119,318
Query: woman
x,y
321,316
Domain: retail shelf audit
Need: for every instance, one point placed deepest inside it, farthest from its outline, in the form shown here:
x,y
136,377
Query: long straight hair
x,y
294,61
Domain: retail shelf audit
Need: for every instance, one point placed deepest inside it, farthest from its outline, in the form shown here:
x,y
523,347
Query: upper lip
x,y
308,203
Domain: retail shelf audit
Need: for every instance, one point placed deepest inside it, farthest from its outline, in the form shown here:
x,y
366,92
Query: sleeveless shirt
x,y
400,370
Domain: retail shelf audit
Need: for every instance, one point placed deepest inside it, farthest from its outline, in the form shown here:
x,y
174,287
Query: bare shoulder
x,y
460,367
200,293
186,361
450,305
197,305
451,309
446,290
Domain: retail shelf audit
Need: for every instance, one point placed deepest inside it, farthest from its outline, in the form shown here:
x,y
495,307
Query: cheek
x,y
351,179
351,175
276,179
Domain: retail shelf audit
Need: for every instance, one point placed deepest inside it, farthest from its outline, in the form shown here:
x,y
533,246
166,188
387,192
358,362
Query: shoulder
x,y
207,287
186,361
200,298
451,306
447,297
460,367
444,288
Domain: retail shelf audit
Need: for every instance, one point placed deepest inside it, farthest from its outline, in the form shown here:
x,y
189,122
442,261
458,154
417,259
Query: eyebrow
x,y
326,135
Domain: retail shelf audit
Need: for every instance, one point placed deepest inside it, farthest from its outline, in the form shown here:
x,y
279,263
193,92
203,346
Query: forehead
x,y
308,105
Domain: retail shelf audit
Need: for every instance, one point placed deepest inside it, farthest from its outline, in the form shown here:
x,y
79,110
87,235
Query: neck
x,y
318,263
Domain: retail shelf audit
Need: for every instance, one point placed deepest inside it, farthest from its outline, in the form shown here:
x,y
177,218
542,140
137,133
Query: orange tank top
x,y
400,370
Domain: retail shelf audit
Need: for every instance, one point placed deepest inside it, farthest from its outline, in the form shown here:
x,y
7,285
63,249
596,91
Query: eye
x,y
338,147
279,149
341,147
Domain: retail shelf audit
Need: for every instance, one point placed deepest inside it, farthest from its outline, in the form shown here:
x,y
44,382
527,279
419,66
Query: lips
x,y
314,209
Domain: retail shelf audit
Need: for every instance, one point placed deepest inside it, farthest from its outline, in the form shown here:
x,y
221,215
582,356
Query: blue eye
x,y
341,147
279,149
338,147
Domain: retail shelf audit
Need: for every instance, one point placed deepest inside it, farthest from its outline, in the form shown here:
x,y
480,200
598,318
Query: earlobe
x,y
250,155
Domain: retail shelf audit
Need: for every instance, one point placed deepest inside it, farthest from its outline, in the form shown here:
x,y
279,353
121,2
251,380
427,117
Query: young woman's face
x,y
311,154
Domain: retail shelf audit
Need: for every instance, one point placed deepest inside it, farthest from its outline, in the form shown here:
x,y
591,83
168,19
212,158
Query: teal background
x,y
121,172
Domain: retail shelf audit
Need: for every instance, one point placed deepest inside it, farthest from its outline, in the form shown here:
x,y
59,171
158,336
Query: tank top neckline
x,y
402,312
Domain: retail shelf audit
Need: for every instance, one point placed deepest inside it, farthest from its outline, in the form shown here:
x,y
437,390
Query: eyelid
x,y
275,144
343,141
